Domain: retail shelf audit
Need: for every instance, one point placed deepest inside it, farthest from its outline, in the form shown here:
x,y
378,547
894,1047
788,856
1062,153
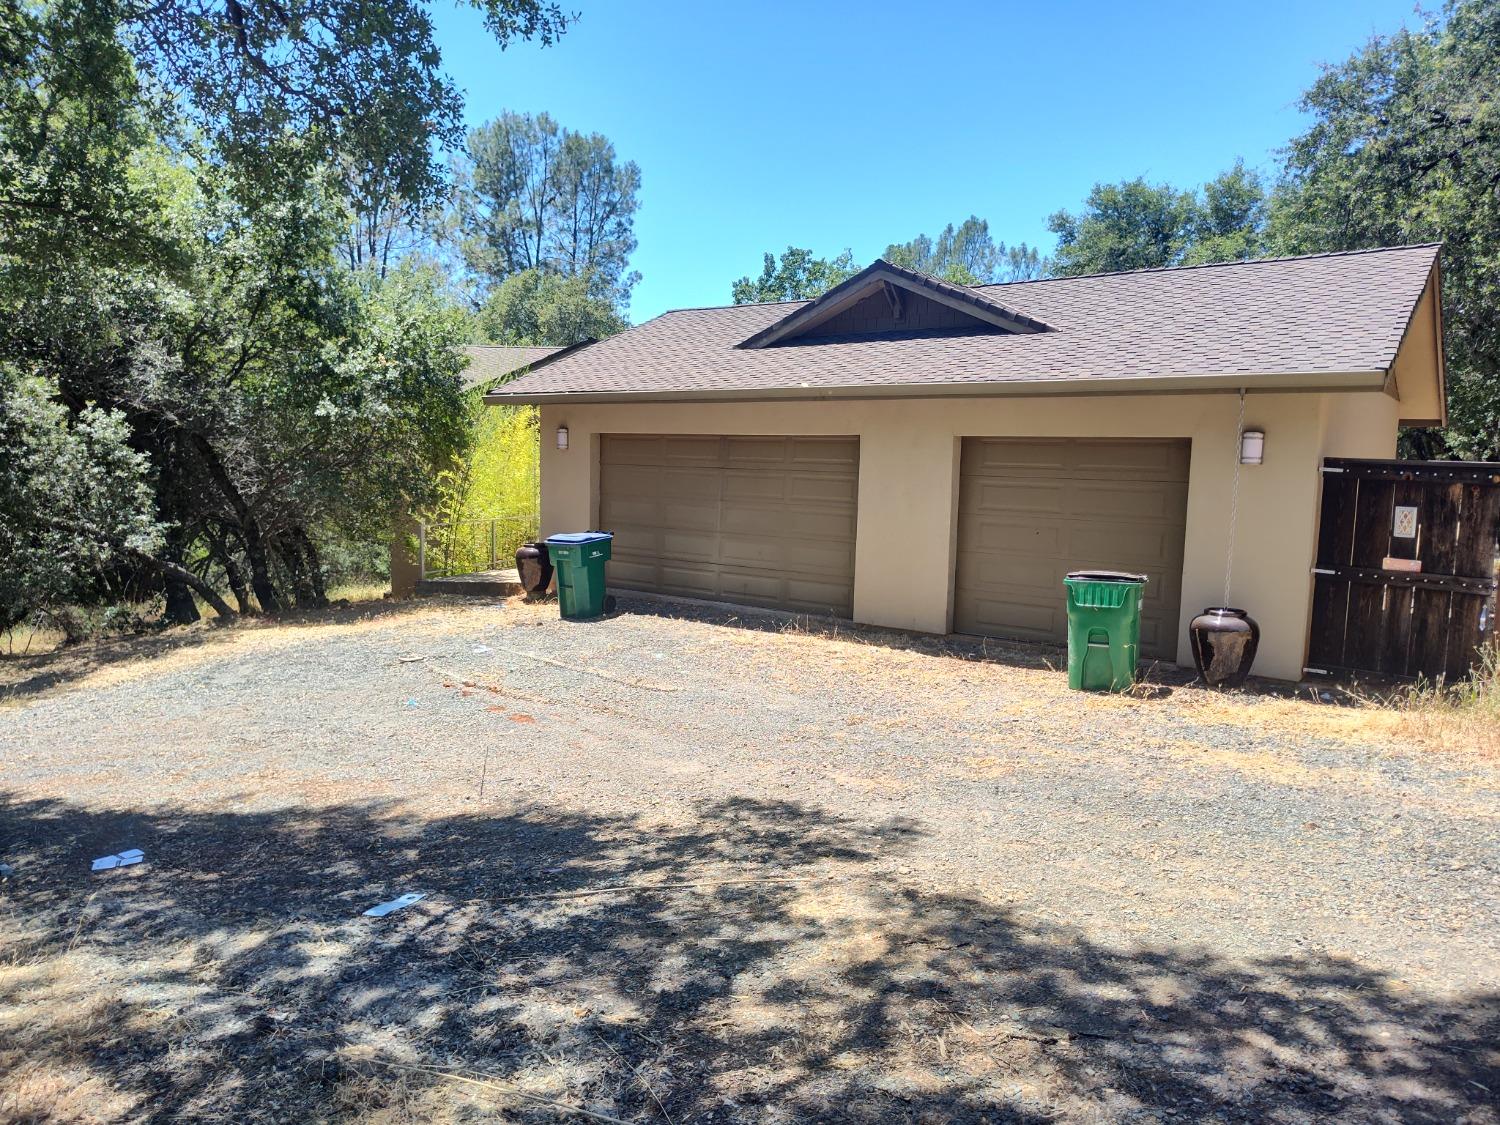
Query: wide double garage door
x,y
1030,511
763,521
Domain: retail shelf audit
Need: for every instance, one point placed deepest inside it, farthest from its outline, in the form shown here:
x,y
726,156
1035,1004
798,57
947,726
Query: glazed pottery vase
x,y
1224,643
534,566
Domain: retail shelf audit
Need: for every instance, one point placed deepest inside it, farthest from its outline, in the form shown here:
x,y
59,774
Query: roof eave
x,y
1320,381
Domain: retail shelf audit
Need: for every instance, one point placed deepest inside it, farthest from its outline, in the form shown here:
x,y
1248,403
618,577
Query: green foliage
x,y
968,255
538,308
538,197
1405,147
1134,225
499,478
73,497
1125,226
797,276
1229,219
175,186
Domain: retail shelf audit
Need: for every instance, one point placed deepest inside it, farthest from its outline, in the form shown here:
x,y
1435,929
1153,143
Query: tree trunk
x,y
181,609
224,554
296,566
314,567
260,567
255,548
170,570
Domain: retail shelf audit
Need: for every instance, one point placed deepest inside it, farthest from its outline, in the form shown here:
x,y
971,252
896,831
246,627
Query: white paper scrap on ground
x,y
395,904
124,859
480,650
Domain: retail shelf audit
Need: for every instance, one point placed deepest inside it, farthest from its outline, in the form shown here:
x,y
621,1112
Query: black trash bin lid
x,y
1106,576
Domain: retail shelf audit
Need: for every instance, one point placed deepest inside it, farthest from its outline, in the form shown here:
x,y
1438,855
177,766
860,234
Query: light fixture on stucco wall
x,y
562,437
1252,447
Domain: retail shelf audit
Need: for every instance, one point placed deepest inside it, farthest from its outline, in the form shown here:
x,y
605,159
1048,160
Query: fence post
x,y
422,551
492,544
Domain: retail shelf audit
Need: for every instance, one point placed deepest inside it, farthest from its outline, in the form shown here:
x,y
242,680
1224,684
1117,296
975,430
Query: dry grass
x,y
35,640
29,640
1462,716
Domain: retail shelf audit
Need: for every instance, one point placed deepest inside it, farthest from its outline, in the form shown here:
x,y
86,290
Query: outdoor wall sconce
x,y
562,437
1252,447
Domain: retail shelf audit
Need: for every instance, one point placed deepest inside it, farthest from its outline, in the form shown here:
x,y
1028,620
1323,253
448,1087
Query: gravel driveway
x,y
688,865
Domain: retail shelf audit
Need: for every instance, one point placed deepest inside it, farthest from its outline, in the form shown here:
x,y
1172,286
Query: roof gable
x,y
884,299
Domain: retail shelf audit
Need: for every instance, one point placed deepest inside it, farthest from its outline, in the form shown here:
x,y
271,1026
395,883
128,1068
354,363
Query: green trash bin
x,y
579,557
1104,628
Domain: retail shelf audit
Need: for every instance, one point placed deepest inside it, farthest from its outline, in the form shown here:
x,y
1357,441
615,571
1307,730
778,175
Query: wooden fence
x,y
1408,556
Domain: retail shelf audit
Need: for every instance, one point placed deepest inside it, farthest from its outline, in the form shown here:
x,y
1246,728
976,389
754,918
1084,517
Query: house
x,y
910,453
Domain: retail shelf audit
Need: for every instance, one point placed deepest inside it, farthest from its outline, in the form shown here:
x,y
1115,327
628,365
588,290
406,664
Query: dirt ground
x,y
684,865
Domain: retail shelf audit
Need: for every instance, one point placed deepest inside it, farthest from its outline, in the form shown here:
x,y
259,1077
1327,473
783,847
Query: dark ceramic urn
x,y
534,566
1224,644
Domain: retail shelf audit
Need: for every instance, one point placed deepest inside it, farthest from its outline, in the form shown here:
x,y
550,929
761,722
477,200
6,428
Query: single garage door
x,y
758,520
1030,511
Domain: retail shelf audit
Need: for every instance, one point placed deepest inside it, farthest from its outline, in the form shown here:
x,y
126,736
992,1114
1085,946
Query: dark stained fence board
x,y
1438,518
1372,531
1479,516
1429,632
1336,524
1329,616
1366,619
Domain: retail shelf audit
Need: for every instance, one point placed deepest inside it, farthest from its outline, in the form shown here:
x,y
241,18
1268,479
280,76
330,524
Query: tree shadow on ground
x,y
232,976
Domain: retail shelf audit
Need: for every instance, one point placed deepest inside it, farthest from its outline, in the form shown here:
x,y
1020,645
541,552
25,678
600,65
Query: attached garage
x,y
1030,511
994,437
766,521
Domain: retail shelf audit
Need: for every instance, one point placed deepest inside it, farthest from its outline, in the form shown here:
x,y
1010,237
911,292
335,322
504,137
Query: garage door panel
x,y
1032,510
785,555
631,570
1148,460
1009,495
679,543
1134,501
755,451
783,521
683,484
680,451
763,520
834,493
1024,617
1020,571
761,486
1142,547
694,514
991,459
756,584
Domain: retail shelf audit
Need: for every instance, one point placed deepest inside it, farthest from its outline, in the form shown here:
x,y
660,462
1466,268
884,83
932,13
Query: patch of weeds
x,y
1461,715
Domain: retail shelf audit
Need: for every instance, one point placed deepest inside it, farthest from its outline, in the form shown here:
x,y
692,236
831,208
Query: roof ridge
x,y
1215,265
1082,276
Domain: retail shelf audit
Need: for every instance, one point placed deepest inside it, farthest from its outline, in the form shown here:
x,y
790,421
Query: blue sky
x,y
833,125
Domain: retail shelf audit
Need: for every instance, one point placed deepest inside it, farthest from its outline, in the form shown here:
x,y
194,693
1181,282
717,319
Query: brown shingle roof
x,y
1330,313
489,362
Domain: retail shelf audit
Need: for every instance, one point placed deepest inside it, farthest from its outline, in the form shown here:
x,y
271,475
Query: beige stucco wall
x,y
908,487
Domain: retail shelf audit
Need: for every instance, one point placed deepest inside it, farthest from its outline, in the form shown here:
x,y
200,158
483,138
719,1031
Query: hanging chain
x,y
1234,496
